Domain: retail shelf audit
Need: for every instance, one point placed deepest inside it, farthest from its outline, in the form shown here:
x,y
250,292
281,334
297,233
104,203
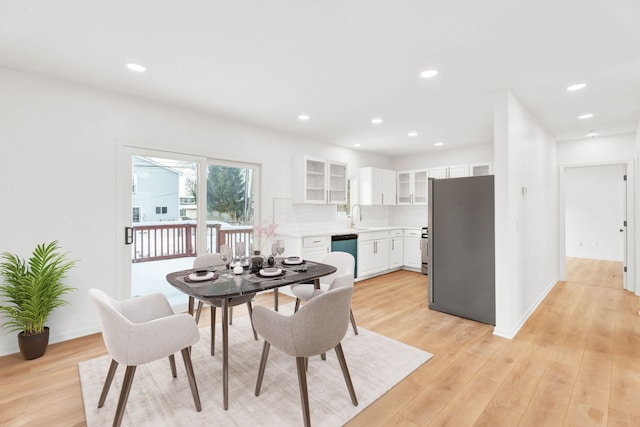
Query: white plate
x,y
293,260
270,272
197,278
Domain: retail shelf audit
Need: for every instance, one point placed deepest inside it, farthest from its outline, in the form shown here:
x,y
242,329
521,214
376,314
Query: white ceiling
x,y
344,62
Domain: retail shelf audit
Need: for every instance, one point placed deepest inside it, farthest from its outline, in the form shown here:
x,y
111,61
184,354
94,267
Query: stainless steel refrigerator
x,y
462,247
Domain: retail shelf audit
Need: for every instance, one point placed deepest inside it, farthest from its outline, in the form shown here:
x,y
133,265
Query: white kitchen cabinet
x,y
373,253
377,186
412,188
457,171
438,173
412,253
395,249
314,248
320,181
479,169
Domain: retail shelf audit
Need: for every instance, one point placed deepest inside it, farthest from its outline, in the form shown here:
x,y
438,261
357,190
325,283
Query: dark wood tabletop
x,y
247,282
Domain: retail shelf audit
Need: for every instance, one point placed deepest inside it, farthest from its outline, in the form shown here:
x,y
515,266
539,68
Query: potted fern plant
x,y
31,290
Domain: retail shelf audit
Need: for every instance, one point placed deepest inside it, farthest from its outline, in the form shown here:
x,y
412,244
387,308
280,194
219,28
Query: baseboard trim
x,y
53,339
511,333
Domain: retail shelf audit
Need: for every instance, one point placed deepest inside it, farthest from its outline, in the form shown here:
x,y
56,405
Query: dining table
x,y
217,283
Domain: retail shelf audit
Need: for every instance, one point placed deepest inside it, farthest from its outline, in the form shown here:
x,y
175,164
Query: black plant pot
x,y
33,346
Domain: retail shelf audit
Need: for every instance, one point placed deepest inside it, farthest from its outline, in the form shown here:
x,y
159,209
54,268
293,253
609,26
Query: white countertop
x,y
341,231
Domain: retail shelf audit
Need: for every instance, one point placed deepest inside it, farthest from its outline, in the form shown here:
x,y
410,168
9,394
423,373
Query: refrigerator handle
x,y
430,241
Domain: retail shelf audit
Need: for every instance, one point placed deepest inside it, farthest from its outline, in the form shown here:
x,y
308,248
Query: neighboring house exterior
x,y
188,208
155,191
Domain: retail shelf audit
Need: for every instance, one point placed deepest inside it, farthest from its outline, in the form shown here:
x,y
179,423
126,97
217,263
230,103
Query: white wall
x,y
59,175
594,206
525,168
589,151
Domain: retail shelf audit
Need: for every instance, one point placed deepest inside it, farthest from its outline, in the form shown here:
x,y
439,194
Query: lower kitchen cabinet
x,y
395,249
373,253
412,249
313,248
316,247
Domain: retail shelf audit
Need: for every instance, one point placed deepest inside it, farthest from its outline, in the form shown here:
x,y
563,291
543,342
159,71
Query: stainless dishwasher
x,y
346,243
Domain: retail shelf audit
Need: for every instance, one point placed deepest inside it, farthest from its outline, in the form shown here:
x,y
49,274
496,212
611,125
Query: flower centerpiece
x,y
262,234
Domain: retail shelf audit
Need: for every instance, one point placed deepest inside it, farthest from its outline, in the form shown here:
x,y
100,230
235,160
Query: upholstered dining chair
x,y
345,265
210,260
317,327
140,330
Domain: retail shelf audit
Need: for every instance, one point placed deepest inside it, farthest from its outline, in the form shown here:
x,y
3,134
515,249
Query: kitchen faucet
x,y
351,223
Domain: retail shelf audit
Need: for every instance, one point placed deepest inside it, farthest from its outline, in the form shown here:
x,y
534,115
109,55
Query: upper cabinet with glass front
x,y
412,187
317,180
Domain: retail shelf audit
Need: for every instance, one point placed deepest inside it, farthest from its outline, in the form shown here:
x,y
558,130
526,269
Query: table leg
x,y
225,353
316,283
275,299
191,300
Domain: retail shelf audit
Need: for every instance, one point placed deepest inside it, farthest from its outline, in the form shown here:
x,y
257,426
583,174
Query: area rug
x,y
376,364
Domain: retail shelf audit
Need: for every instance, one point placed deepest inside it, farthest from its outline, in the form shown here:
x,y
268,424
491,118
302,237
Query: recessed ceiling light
x,y
136,67
303,117
428,74
592,133
376,121
585,116
356,145
577,86
439,144
412,134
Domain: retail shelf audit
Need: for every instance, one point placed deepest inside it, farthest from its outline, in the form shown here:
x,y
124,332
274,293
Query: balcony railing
x,y
177,240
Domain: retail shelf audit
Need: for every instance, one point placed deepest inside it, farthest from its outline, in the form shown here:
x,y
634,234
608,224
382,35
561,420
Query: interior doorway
x,y
595,230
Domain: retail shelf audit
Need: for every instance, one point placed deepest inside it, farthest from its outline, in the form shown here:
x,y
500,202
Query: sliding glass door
x,y
178,206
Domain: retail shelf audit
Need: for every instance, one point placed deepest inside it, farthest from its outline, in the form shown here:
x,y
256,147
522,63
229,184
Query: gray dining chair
x,y
211,260
317,327
345,266
138,331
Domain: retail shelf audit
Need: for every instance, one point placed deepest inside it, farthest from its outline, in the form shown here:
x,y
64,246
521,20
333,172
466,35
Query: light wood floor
x,y
576,362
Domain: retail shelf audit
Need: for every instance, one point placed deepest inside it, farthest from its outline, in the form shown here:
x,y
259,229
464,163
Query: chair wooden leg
x,y
345,372
213,330
188,366
353,322
250,308
297,307
198,311
304,395
124,395
172,362
263,364
107,382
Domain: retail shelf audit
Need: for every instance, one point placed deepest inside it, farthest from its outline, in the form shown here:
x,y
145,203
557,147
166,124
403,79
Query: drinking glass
x,y
240,251
280,249
225,255
274,249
